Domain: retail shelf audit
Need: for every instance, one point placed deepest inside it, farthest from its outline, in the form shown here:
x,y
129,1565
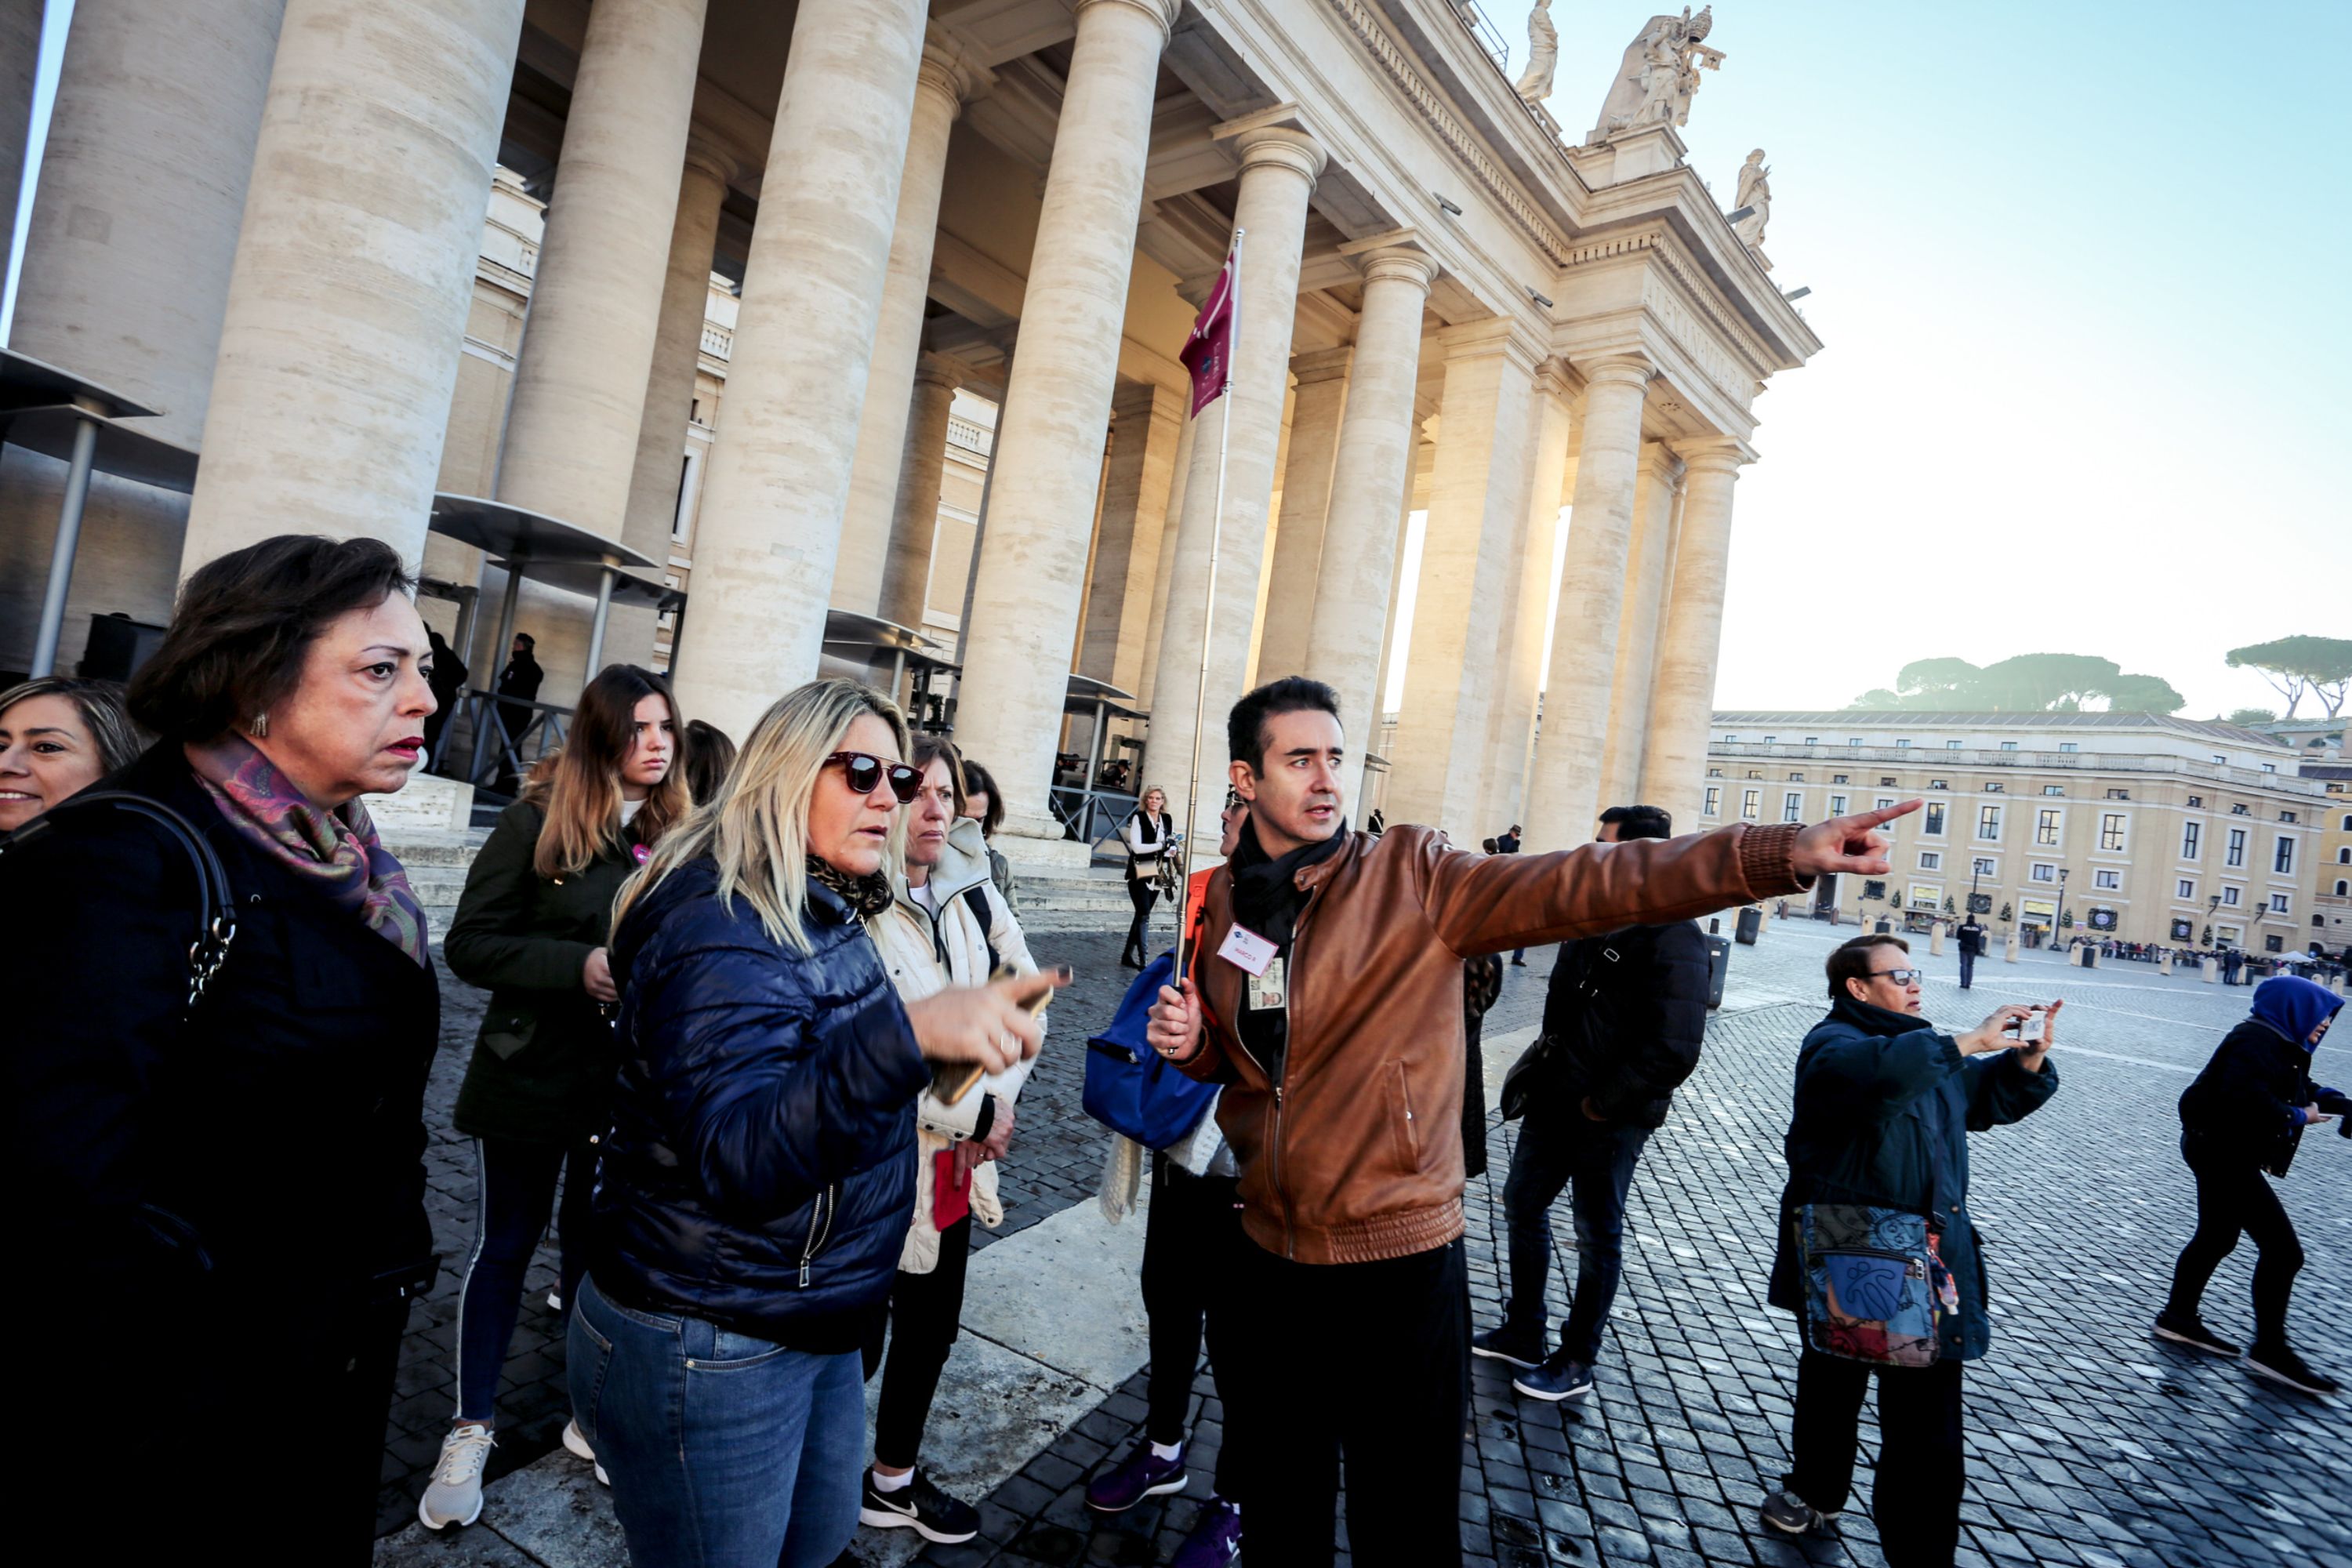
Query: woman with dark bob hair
x,y
224,1198
59,735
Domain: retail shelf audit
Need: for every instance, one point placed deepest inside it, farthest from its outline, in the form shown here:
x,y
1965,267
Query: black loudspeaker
x,y
118,646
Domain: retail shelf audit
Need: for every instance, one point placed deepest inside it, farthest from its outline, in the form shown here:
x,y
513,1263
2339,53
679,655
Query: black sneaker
x,y
1561,1377
1787,1512
921,1507
2187,1328
2280,1365
1520,1347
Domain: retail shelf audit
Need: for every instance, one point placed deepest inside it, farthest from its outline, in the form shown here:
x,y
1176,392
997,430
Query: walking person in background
x,y
984,806
946,925
1191,1241
1885,1102
1147,833
59,734
226,1195
532,929
1972,946
448,686
520,679
1509,843
2245,1114
758,1179
1622,1025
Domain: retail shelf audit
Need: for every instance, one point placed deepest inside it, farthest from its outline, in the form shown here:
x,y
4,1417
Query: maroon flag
x,y
1209,351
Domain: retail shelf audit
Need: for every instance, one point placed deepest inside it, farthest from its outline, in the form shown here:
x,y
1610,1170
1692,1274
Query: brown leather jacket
x,y
1357,1155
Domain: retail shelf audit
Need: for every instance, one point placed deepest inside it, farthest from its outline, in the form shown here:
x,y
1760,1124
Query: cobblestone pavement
x,y
1055,1162
2089,1441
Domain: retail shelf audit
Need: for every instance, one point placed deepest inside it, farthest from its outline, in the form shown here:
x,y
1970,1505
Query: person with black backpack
x,y
1622,1023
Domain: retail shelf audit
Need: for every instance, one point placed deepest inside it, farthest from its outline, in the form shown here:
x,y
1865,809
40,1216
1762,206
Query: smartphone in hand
x,y
2026,1031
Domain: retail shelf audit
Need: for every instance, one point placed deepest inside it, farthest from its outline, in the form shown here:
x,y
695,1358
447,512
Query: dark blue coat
x,y
1884,1106
759,1172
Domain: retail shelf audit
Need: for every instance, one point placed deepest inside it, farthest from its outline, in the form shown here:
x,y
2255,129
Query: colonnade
x,y
348,285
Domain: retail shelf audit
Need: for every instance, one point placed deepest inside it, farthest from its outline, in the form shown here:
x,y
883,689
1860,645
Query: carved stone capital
x,y
1619,370
1715,454
939,370
706,154
1324,365
1280,147
1163,13
950,71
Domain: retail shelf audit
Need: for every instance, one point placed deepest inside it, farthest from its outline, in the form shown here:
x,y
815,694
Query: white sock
x,y
1166,1450
883,1483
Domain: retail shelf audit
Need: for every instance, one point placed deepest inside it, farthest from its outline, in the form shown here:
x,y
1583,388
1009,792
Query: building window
x,y
2278,903
2270,767
2043,871
2068,746
1813,739
2239,809
2237,851
1931,860
2119,794
2111,831
1792,806
2342,887
1840,778
1939,784
2053,789
2345,825
1989,824
1751,804
1854,739
1985,867
2229,898
2045,827
2185,890
1934,824
1714,773
2009,745
2282,856
2344,856
1902,745
2219,758
1770,739
1883,801
2189,836
1756,772
2195,801
1713,806
1731,740
2286,816
1951,745
1887,781
2107,880
1796,778
1837,806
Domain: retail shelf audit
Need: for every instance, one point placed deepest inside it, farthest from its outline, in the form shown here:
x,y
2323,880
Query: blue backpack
x,y
1131,1089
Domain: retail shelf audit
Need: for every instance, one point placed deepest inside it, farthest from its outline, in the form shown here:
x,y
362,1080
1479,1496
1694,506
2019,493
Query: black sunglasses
x,y
1900,977
863,772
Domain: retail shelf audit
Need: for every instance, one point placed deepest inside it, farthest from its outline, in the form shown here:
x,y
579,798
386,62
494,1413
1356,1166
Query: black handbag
x,y
1541,1061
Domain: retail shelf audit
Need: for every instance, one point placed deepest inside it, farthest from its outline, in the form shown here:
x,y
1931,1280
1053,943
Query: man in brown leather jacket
x,y
1325,994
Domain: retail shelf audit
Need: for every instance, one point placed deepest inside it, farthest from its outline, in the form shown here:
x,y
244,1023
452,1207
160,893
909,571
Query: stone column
x,y
354,272
1026,585
1682,702
1476,506
870,540
915,521
771,504
20,53
1146,422
1518,650
1372,483
1148,673
655,478
1649,558
1564,785
1278,172
1306,482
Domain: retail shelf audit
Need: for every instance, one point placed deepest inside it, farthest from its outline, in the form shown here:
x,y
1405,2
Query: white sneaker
x,y
456,1495
555,1300
577,1441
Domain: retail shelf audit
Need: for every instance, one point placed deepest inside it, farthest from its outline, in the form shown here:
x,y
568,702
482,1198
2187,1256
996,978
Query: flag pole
x,y
1209,606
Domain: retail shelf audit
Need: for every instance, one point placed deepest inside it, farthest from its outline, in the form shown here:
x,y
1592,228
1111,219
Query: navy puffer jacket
x,y
759,1172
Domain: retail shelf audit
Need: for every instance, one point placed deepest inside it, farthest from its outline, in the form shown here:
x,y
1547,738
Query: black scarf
x,y
1265,891
865,896
1872,1019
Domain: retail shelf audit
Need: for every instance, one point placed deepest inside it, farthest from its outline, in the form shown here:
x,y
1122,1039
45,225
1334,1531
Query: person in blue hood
x,y
2244,1115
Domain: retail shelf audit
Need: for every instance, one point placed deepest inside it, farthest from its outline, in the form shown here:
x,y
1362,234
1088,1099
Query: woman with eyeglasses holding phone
x,y
758,1181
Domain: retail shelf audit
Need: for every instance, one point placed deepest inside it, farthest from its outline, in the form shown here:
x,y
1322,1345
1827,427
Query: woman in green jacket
x,y
532,929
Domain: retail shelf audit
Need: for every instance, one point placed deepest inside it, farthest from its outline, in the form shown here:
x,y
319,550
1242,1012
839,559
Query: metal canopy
x,y
583,577
871,634
1085,695
529,539
122,450
29,382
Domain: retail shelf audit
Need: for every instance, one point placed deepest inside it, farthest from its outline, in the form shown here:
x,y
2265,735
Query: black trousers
x,y
1368,1360
1142,893
2234,1197
1561,1148
1192,1242
1921,1472
924,1311
514,1195
1968,968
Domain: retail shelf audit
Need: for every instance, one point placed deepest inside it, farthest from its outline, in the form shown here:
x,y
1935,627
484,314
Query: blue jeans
x,y
1560,1147
725,1451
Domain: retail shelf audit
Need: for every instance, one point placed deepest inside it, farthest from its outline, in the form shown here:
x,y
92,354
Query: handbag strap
x,y
215,924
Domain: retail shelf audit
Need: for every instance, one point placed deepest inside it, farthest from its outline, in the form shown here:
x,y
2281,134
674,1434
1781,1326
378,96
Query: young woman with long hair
x,y
1146,833
532,929
759,1178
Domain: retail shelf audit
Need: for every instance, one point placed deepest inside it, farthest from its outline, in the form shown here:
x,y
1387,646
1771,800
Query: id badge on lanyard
x,y
1260,963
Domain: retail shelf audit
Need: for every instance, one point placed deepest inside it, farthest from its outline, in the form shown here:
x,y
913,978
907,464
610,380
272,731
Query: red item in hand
x,y
951,1190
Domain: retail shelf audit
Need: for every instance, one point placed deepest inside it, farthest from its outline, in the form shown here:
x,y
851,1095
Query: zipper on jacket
x,y
826,1203
1289,1051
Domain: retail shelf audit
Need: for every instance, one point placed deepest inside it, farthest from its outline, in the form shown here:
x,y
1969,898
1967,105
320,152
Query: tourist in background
x,y
226,1198
532,929
984,804
1972,946
758,1179
59,735
947,926
1885,1102
1623,1020
709,757
448,686
520,679
1509,843
2245,1114
1146,833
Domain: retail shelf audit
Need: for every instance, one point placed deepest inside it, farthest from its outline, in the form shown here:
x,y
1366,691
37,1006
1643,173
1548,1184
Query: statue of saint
x,y
1543,55
1658,74
1756,193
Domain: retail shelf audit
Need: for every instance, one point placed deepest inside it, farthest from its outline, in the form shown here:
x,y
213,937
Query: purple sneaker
x,y
1140,1475
1215,1540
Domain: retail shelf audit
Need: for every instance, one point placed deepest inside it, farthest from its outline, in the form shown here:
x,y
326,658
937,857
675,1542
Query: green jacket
x,y
544,1061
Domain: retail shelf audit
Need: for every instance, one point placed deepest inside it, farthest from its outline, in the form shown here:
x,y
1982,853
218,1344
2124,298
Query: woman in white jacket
x,y
946,925
1147,833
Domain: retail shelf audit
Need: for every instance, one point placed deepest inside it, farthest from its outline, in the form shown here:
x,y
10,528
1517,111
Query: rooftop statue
x,y
1756,191
1659,73
1543,55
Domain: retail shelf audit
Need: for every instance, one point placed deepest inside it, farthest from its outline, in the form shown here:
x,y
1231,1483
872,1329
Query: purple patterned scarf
x,y
336,852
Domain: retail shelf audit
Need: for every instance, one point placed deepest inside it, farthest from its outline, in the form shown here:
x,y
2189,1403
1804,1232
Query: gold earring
x,y
259,728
